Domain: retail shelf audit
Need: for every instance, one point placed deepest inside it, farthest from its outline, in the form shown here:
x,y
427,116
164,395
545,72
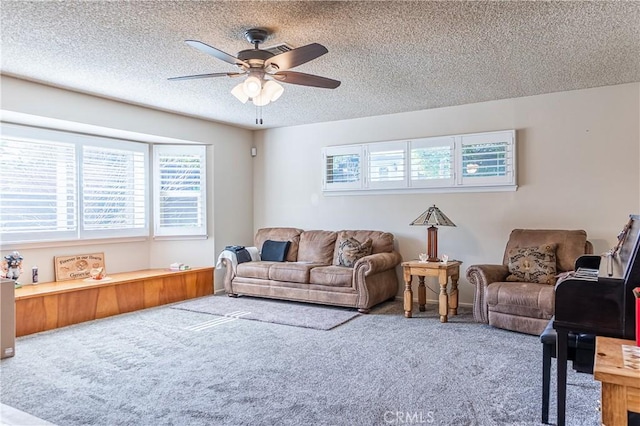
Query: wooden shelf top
x,y
36,290
431,265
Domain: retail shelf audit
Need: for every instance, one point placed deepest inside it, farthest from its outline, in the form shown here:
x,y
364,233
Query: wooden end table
x,y
448,302
620,383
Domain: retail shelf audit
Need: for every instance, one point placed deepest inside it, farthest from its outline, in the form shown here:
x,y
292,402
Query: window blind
x,y
38,191
180,190
59,186
113,189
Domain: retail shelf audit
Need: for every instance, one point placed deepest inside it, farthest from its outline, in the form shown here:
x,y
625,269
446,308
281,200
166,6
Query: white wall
x,y
578,159
578,168
229,169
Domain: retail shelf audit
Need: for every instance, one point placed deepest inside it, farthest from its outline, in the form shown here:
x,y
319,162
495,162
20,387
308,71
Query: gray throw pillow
x,y
274,251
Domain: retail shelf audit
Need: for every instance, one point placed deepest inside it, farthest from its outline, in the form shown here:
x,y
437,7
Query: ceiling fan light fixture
x,y
272,90
261,100
238,92
263,67
252,86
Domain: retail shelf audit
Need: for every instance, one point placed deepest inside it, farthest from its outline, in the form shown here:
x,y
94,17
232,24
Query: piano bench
x,y
581,351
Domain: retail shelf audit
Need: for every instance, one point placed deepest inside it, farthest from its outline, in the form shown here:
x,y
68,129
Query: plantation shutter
x,y
113,189
387,164
180,190
342,167
432,163
38,197
487,159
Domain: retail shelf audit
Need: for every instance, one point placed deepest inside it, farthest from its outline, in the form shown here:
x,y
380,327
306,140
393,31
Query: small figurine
x,y
97,273
12,267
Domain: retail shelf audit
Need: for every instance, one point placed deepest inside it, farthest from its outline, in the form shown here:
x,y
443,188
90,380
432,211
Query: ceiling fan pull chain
x,y
258,114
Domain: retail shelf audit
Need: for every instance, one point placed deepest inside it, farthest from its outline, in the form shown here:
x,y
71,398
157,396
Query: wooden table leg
x,y
408,296
453,296
614,404
443,301
422,295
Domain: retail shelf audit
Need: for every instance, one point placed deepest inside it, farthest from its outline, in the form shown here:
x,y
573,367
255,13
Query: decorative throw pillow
x,y
351,250
274,251
533,264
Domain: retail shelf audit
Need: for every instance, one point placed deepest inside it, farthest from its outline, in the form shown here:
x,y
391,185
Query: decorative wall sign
x,y
78,266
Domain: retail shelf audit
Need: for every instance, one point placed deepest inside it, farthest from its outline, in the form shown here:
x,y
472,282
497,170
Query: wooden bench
x,y
51,305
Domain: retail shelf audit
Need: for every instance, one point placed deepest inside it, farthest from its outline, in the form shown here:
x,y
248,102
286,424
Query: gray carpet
x,y
268,310
152,368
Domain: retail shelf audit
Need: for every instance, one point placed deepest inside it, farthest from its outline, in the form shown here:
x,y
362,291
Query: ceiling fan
x,y
263,68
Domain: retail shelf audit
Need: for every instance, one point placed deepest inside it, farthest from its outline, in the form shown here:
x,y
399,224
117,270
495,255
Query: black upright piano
x,y
598,300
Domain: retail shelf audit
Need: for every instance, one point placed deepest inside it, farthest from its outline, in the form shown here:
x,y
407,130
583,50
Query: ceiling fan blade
x,y
293,77
298,56
215,74
203,47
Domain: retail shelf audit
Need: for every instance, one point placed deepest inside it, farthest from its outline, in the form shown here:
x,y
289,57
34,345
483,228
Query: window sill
x,y
398,191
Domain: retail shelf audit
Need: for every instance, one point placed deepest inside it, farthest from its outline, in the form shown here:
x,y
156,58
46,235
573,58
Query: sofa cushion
x,y
275,251
533,264
280,234
531,300
295,272
334,276
351,250
254,270
317,247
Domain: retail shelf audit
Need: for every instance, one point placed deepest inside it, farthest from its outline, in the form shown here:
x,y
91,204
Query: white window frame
x,y
433,143
334,151
46,137
454,183
78,141
381,147
198,229
488,138
140,186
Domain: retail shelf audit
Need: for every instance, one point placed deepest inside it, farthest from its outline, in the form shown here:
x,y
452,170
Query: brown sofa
x,y
526,307
312,271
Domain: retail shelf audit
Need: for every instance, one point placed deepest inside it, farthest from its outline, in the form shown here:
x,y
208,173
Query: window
x,y
387,164
483,161
38,190
63,186
180,190
114,199
343,167
57,186
432,162
486,159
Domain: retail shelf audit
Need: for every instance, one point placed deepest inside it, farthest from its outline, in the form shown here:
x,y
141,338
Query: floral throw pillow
x,y
351,250
533,264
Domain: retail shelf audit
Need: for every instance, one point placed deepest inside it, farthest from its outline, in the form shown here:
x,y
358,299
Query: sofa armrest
x,y
375,279
481,276
375,263
229,274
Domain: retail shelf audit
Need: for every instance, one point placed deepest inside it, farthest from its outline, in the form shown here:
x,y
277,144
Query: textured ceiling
x,y
390,56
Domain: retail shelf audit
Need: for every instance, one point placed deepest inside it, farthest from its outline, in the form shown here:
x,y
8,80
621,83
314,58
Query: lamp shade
x,y
238,92
260,100
272,90
252,86
433,216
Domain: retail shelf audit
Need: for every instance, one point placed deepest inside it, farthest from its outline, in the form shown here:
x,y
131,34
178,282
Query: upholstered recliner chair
x,y
519,294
